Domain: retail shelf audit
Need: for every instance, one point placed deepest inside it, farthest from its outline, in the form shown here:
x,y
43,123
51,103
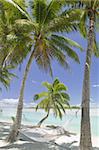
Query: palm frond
x,y
59,55
82,24
6,75
61,24
68,41
56,81
96,48
61,106
60,87
27,23
65,48
47,85
65,96
44,104
40,95
19,7
39,10
58,112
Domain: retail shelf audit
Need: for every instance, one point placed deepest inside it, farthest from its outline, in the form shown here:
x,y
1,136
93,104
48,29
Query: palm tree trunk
x,y
17,124
39,124
85,137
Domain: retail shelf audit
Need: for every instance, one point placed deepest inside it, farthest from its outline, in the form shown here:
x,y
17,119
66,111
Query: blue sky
x,y
73,78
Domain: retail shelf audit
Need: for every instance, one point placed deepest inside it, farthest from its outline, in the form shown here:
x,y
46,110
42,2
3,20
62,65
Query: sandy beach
x,y
44,138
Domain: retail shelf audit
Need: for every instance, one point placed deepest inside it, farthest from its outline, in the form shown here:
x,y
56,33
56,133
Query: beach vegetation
x,y
36,31
87,27
44,24
12,42
6,76
55,99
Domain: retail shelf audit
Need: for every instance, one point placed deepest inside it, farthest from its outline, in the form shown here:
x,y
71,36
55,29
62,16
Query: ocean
x,y
70,121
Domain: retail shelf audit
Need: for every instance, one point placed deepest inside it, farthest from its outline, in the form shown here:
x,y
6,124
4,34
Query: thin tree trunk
x,y
39,124
17,124
85,137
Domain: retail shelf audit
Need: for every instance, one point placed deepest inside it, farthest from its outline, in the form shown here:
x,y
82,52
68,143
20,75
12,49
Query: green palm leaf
x,y
40,95
65,96
82,24
56,81
60,87
67,41
54,98
65,48
47,85
6,75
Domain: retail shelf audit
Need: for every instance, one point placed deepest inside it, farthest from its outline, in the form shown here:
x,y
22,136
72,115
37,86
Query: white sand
x,y
44,138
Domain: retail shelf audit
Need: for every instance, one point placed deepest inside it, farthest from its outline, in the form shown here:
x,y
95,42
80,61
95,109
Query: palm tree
x,y
45,21
14,42
90,11
55,99
87,27
5,70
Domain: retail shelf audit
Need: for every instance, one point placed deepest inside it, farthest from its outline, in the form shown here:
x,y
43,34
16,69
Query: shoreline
x,y
47,136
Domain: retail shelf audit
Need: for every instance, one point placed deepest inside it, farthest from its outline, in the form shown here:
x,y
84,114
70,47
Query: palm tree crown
x,y
39,30
54,98
43,23
14,42
89,9
87,27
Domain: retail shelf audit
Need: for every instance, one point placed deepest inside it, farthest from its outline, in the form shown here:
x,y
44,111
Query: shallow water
x,y
70,121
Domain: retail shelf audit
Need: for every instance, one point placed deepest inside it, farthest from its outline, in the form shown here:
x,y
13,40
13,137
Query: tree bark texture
x,y
17,124
85,137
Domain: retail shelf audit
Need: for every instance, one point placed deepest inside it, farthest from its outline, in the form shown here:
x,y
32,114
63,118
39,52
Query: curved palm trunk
x,y
17,124
85,137
39,124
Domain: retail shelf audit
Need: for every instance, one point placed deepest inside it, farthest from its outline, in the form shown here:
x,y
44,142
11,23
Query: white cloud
x,y
8,102
13,103
95,85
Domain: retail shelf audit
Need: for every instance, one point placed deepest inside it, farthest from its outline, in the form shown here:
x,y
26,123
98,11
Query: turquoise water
x,y
70,121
